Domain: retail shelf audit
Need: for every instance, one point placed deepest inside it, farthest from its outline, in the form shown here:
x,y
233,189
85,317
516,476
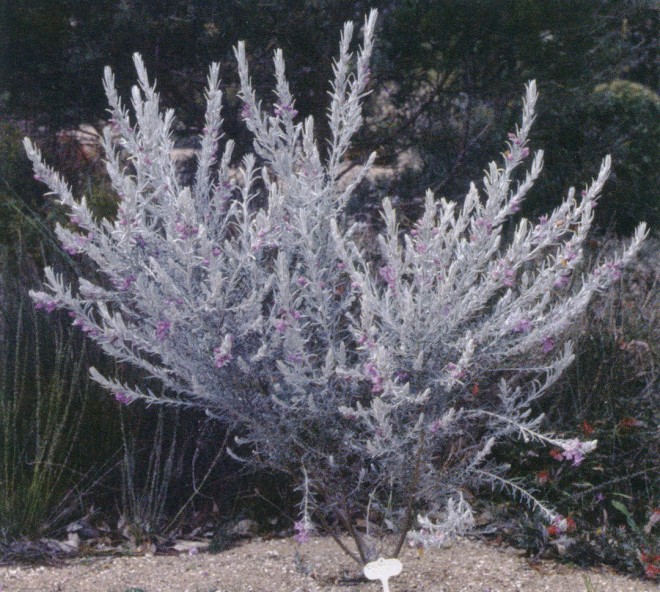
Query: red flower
x,y
570,524
586,427
652,572
475,389
543,477
629,422
651,563
556,454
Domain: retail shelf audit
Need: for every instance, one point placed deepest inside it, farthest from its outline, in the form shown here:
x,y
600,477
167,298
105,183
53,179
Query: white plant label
x,y
383,570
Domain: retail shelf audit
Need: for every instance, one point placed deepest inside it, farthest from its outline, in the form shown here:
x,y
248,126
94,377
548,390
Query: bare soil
x,y
282,565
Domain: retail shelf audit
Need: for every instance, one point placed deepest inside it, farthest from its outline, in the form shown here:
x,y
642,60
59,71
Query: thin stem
x,y
197,488
408,522
344,516
332,531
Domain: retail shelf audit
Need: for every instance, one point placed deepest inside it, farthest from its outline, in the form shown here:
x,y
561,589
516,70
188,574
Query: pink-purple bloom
x,y
514,138
484,223
389,275
186,231
285,109
46,304
614,269
76,244
575,450
223,353
123,398
125,283
163,330
522,326
457,373
372,373
302,532
548,345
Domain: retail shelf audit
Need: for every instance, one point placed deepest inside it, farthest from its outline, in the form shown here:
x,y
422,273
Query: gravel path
x,y
280,565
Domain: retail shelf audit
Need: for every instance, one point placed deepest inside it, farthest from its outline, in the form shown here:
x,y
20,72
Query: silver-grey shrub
x,y
379,372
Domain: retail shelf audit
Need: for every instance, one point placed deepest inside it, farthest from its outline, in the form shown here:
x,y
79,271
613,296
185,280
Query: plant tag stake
x,y
383,570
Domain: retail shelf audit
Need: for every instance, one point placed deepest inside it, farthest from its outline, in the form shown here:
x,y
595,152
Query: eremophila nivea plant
x,y
380,375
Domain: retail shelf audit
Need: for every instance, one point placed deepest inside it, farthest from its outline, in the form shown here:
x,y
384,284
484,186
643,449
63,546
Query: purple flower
x,y
389,275
285,109
126,283
280,325
484,223
371,372
163,330
186,230
548,345
365,341
220,358
123,398
302,532
574,450
46,304
76,244
295,358
222,353
456,371
367,75
509,278
246,112
522,326
562,281
401,376
514,138
614,270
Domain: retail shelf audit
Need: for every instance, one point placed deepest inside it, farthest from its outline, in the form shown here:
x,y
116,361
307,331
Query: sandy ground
x,y
282,565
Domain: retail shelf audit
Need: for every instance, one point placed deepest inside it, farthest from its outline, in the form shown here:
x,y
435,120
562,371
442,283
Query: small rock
x,y
245,528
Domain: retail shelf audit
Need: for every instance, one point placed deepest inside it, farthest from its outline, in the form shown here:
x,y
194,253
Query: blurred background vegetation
x,y
446,86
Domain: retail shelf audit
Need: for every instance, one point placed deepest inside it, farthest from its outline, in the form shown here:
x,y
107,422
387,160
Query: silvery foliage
x,y
382,371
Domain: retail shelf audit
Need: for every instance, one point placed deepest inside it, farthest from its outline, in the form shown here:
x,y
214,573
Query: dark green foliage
x,y
51,415
610,394
623,118
450,70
